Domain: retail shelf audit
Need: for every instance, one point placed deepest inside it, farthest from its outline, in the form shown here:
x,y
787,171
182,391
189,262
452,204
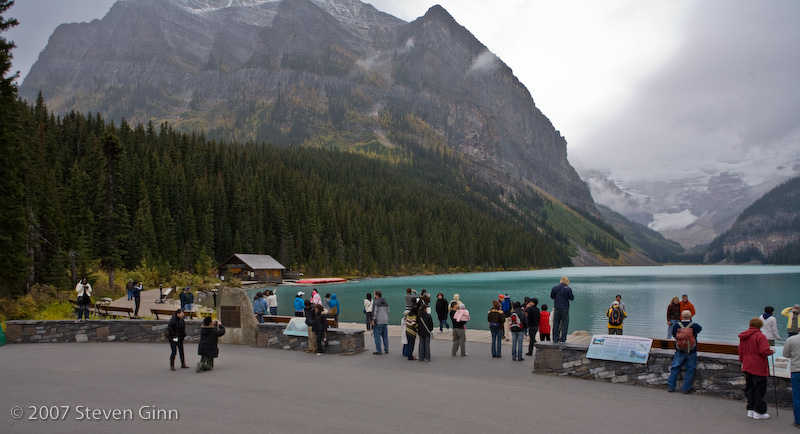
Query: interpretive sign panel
x,y
296,327
631,349
779,365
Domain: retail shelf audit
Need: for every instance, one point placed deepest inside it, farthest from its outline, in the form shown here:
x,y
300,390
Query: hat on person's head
x,y
187,288
616,303
500,296
796,307
686,314
300,293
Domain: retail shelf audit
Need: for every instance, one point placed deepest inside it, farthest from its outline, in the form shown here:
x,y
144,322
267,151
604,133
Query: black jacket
x,y
176,327
424,319
534,315
441,308
320,323
208,340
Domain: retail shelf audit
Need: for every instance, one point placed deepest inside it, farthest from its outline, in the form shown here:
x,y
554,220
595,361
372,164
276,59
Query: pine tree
x,y
12,190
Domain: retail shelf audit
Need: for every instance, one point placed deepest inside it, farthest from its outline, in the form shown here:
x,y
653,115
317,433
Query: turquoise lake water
x,y
725,297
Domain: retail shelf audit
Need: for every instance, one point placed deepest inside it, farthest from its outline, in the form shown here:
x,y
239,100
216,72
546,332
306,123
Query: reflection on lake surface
x,y
725,297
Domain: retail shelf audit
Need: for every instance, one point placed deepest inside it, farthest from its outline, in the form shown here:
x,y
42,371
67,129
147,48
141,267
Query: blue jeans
x,y
560,324
381,331
130,294
273,310
689,360
497,339
796,395
671,326
83,311
516,344
443,323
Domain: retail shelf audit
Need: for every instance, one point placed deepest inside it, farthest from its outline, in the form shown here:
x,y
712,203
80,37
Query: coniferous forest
x,y
81,190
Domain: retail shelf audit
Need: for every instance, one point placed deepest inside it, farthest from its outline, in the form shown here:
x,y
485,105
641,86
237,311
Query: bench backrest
x,y
703,347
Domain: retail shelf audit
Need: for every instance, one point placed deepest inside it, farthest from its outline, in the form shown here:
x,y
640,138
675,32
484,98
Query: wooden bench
x,y
169,312
114,311
286,319
703,347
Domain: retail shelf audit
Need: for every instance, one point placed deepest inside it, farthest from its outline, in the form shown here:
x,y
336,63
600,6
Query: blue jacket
x,y
299,304
260,305
335,303
561,295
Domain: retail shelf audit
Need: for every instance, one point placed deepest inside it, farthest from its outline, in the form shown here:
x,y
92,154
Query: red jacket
x,y
544,322
753,352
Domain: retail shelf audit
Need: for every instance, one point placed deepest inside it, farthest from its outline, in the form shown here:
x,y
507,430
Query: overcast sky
x,y
629,83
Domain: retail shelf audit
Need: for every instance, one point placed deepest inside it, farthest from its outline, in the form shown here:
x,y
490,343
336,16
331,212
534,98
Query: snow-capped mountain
x,y
692,206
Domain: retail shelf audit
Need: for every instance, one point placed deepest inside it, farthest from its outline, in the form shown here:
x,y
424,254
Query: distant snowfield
x,y
667,221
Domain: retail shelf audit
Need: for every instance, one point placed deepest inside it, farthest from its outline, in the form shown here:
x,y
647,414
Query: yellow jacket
x,y
788,313
608,314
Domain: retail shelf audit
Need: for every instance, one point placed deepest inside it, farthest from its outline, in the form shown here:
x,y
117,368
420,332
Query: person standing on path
x,y
753,352
544,324
272,301
176,333
615,316
791,350
187,298
410,297
685,334
411,330
260,307
496,320
320,327
334,309
315,298
137,297
380,323
673,315
770,328
299,304
460,318
84,298
533,314
561,295
207,349
687,305
441,312
424,331
310,311
129,288
518,326
505,302
793,325
368,310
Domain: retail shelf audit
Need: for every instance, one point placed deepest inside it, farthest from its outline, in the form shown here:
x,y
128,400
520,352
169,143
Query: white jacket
x,y
770,328
79,289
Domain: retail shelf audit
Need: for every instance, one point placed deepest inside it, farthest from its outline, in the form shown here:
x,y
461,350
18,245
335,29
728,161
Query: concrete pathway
x,y
275,391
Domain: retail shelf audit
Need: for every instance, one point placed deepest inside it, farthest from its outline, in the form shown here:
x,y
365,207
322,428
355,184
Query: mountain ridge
x,y
154,61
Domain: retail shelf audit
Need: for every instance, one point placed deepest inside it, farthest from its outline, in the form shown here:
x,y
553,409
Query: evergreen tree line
x,y
84,191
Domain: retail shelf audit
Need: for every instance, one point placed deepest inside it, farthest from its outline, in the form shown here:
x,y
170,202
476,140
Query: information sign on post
x,y
631,349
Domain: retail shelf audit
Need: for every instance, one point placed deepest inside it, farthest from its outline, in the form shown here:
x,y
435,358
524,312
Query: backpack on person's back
x,y
616,317
515,324
684,338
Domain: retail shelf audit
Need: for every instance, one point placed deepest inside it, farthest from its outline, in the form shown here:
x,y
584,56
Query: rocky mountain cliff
x,y
312,73
766,231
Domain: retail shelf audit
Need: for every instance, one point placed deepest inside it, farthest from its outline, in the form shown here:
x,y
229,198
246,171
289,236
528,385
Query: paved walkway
x,y
275,391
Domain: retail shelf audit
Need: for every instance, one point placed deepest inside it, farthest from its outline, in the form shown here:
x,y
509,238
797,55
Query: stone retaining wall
x,y
340,341
104,330
716,374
